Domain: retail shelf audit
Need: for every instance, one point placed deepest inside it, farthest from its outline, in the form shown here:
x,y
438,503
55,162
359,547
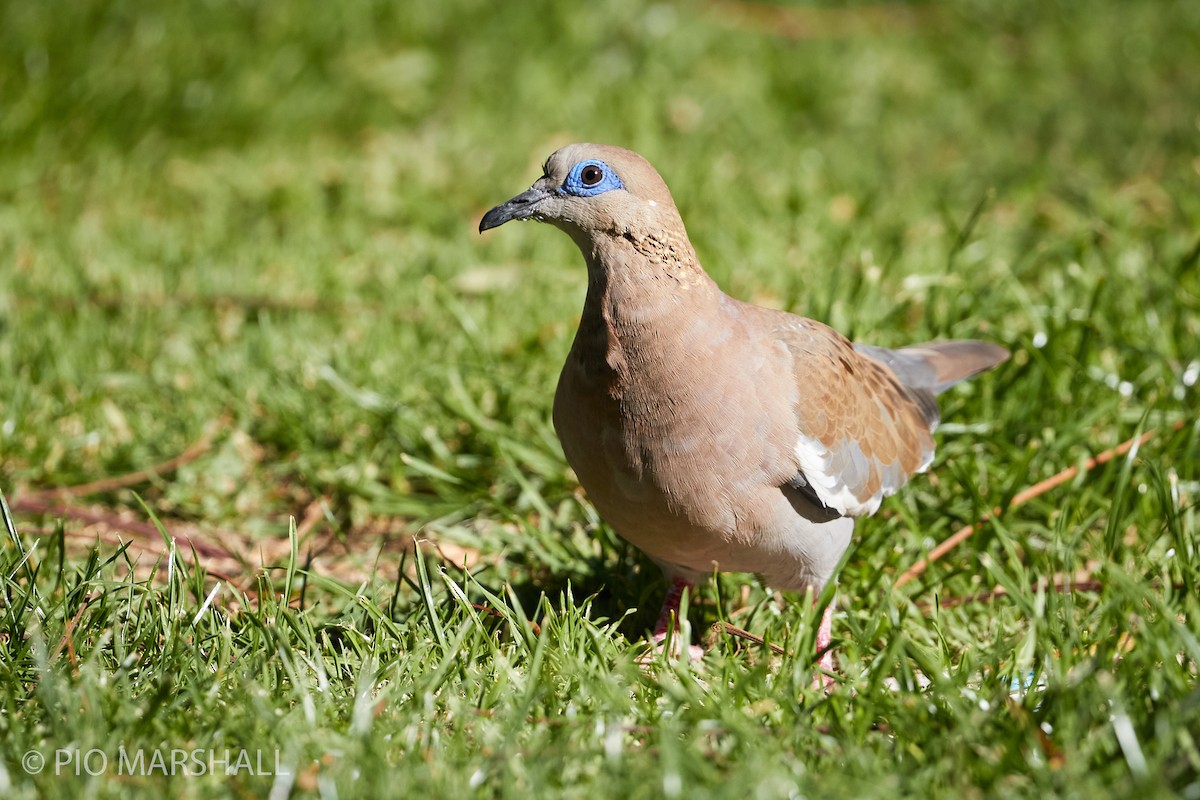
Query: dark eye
x,y
591,175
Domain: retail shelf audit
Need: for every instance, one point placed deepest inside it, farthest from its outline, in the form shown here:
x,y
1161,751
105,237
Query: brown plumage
x,y
711,433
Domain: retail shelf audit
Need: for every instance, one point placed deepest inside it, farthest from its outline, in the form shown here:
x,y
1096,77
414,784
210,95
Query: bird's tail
x,y
936,366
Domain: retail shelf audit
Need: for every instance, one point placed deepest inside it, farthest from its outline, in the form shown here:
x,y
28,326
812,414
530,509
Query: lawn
x,y
281,485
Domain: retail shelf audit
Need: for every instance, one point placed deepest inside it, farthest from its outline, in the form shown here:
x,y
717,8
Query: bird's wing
x,y
860,432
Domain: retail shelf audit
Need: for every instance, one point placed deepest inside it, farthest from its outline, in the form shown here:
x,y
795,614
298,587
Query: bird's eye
x,y
590,178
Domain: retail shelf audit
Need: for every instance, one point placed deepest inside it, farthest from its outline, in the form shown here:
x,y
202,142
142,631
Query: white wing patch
x,y
839,474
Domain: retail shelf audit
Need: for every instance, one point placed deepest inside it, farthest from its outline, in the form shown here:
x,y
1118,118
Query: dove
x,y
710,433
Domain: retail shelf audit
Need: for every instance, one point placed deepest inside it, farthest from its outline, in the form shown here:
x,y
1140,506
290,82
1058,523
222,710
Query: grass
x,y
258,220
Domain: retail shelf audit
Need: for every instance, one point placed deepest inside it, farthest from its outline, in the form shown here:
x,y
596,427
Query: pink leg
x,y
824,635
668,620
670,609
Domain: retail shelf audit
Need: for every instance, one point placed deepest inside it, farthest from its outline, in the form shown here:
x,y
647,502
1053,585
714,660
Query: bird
x,y
710,433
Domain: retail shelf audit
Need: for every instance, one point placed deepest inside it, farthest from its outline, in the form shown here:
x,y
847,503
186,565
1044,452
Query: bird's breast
x,y
681,429
658,433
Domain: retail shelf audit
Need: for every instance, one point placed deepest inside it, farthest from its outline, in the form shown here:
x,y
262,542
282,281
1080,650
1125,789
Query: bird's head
x,y
589,190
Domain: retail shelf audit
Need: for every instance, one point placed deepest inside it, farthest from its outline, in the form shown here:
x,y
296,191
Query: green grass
x,y
263,216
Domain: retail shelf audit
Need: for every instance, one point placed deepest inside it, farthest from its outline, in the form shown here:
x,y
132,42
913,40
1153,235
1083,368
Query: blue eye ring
x,y
590,178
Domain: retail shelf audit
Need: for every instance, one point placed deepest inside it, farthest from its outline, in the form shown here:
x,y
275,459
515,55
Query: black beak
x,y
520,207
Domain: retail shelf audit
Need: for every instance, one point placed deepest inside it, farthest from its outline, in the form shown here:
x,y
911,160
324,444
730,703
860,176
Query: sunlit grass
x,y
259,220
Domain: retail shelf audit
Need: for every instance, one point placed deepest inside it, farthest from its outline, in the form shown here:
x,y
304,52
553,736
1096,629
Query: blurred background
x,y
261,216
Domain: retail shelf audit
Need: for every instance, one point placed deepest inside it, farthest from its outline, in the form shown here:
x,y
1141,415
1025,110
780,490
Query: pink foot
x,y
822,678
695,652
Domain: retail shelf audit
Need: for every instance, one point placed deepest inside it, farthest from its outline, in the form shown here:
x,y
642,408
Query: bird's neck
x,y
644,293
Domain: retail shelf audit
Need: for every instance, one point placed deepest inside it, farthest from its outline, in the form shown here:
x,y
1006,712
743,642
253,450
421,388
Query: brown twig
x,y
146,537
733,630
194,451
223,554
93,516
67,640
1022,497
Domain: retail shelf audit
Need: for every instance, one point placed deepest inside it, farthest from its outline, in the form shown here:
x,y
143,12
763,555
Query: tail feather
x,y
936,366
